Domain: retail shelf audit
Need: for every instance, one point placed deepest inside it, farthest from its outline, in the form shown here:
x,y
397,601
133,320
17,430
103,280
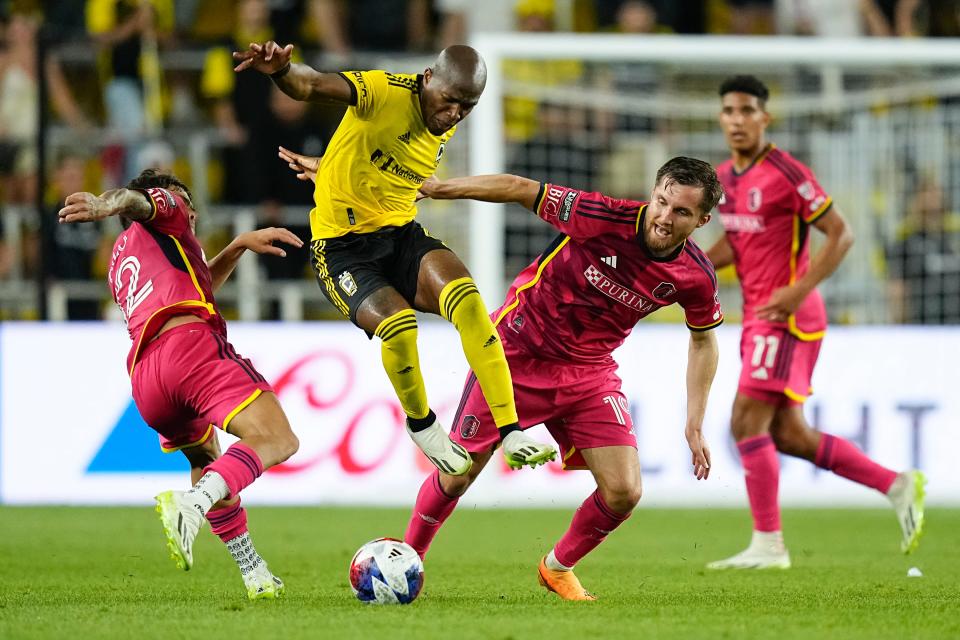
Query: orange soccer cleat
x,y
563,583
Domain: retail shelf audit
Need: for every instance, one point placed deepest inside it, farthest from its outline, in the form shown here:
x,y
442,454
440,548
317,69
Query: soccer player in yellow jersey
x,y
373,261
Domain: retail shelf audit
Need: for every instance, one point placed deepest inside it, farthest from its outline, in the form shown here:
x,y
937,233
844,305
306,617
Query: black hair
x,y
154,178
750,85
691,172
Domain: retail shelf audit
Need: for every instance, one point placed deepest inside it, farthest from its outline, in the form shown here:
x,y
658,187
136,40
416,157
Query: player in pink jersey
x,y
614,263
186,376
771,201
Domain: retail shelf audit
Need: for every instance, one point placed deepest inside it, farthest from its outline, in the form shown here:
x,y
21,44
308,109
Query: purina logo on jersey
x,y
617,291
609,260
754,199
664,290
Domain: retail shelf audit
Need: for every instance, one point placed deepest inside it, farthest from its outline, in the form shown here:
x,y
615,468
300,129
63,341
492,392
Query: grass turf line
x,y
104,573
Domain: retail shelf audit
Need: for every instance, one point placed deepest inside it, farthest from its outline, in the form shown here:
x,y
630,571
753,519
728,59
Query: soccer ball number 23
x,y
386,571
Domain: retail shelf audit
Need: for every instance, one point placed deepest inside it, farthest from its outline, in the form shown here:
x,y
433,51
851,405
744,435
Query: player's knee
x,y
455,486
623,497
287,444
795,440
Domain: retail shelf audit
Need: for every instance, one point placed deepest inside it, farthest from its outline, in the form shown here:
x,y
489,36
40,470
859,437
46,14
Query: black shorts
x,y
353,266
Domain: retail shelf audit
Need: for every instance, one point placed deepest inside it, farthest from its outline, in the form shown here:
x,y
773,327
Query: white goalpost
x,y
874,118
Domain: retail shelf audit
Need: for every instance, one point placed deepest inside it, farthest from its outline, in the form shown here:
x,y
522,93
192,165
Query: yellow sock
x,y
460,303
398,349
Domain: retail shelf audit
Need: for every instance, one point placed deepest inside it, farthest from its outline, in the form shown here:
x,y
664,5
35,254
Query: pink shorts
x,y
581,406
189,380
777,367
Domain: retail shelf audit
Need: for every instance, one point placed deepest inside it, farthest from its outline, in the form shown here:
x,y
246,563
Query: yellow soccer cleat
x,y
181,522
520,450
563,583
907,496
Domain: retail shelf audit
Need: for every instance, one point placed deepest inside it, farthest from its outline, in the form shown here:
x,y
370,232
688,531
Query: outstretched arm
x,y
259,241
86,207
702,360
299,81
493,188
839,238
721,253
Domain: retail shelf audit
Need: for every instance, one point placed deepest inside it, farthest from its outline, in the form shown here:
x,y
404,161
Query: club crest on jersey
x,y
664,290
469,427
440,151
617,292
347,283
754,199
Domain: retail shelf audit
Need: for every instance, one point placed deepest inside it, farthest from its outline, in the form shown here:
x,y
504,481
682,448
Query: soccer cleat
x,y
563,583
521,450
766,551
263,585
181,521
445,454
907,496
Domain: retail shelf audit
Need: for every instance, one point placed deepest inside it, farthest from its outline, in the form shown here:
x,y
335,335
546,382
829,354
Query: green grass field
x,y
96,573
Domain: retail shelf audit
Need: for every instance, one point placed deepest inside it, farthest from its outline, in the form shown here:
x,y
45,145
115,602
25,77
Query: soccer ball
x,y
386,571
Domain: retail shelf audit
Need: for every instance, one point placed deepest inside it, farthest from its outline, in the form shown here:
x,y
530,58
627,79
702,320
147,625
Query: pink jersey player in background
x,y
771,202
186,377
614,263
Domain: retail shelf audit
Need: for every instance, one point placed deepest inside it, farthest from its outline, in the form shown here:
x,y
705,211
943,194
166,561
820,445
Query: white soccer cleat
x,y
181,522
445,454
521,450
766,551
263,585
907,496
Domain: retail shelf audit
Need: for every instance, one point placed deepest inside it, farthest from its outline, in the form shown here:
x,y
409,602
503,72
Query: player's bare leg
x,y
751,423
617,472
436,500
445,287
265,440
228,521
793,436
387,315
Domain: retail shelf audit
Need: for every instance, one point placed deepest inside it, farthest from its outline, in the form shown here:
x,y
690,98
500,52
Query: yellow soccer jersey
x,y
379,156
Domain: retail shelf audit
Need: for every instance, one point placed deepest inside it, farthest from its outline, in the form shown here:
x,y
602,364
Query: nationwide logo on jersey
x,y
616,291
404,137
347,283
469,427
664,290
754,199
610,260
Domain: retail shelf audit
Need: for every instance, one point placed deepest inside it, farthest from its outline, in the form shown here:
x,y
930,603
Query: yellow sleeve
x,y
101,16
218,78
370,90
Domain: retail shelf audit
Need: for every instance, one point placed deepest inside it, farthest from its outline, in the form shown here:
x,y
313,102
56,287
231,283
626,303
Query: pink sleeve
x,y
583,215
812,199
170,214
701,305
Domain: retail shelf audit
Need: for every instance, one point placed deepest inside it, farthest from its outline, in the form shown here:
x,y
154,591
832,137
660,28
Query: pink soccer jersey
x,y
581,299
157,270
766,211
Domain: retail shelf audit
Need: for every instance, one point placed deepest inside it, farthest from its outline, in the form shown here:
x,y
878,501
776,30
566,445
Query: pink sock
x,y
238,467
590,526
229,522
431,510
761,468
846,460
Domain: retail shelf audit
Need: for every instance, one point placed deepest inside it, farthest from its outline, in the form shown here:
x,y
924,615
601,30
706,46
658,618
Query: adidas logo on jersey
x,y
610,260
404,138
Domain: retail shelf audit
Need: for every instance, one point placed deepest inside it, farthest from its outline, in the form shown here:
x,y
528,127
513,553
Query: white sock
x,y
553,564
244,554
768,540
209,490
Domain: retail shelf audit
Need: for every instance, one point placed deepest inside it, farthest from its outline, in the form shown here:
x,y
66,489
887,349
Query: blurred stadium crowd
x,y
119,72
